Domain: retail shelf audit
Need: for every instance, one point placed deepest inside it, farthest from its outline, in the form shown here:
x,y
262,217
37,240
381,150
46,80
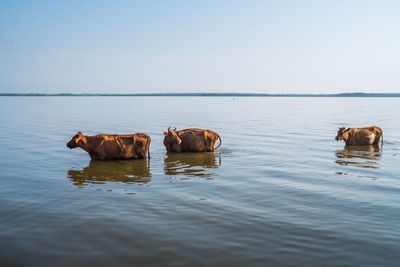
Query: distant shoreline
x,y
213,94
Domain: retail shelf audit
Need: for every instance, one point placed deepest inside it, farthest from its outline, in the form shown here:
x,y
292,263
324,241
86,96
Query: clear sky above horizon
x,y
200,46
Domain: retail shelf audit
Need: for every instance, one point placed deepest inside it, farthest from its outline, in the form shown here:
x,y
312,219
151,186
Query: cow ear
x,y
79,133
165,133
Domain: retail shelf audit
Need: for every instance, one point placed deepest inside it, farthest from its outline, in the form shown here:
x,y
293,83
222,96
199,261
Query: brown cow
x,y
360,136
107,147
191,140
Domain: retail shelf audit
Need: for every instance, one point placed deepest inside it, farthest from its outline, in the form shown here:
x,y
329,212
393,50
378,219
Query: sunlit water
x,y
280,191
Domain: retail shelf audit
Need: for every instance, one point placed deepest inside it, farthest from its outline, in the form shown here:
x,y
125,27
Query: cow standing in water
x,y
108,147
360,136
191,140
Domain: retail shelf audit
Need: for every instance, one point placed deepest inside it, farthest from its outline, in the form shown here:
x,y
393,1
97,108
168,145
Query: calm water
x,y
280,191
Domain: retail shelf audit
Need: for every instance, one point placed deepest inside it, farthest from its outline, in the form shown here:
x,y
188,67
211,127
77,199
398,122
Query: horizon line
x,y
354,94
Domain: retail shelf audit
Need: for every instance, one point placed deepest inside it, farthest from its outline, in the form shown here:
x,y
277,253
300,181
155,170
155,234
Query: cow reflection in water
x,y
100,172
192,164
359,156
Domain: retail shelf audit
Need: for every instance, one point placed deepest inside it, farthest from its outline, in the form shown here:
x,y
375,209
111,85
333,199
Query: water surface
x,y
280,191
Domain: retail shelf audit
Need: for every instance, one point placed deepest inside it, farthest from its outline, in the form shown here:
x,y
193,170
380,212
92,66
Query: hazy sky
x,y
200,46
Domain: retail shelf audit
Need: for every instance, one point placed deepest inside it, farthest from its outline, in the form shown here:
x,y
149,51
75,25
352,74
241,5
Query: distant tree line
x,y
214,94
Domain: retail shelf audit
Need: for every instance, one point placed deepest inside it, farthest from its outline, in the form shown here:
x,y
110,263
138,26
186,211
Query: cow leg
x,y
209,143
96,156
376,141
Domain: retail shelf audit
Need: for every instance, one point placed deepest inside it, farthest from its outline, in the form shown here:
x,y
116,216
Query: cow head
x,y
340,133
75,141
171,137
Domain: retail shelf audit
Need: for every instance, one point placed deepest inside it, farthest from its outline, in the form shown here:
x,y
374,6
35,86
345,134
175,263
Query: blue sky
x,y
199,46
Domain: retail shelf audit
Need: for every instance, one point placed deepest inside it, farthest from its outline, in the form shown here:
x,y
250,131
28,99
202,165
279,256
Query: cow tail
x,y
220,141
382,139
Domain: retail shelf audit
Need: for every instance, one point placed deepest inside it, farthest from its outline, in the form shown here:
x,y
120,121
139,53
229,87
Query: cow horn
x,y
174,129
169,127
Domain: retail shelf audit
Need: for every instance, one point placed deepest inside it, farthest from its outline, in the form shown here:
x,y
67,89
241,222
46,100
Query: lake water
x,y
280,191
